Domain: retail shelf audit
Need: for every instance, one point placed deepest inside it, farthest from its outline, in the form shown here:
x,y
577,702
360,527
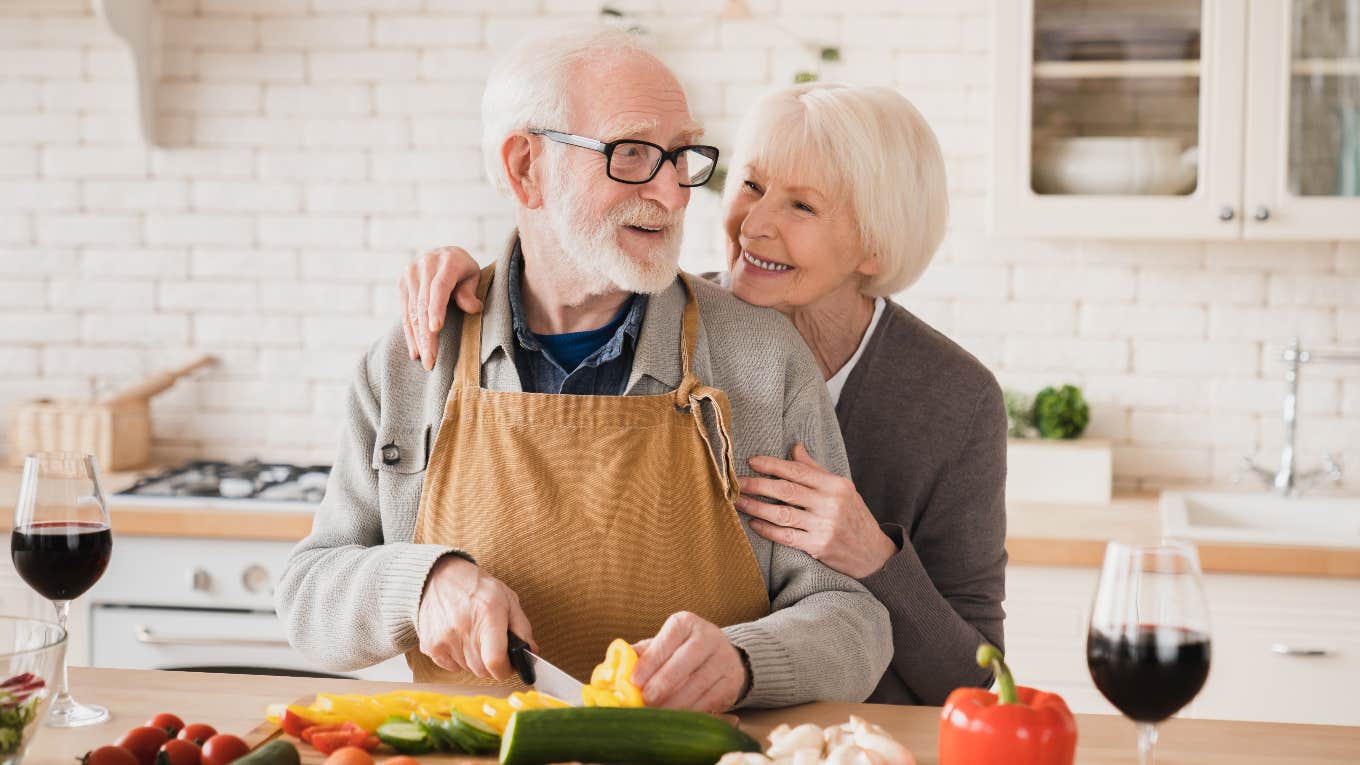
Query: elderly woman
x,y
836,200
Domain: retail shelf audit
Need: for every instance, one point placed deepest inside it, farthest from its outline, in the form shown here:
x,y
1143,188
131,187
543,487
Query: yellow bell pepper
x,y
611,684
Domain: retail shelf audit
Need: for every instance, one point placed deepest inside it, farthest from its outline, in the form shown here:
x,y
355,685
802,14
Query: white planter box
x,y
1050,470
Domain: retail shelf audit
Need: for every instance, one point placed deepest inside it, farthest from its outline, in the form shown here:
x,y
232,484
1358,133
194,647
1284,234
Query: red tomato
x,y
402,760
169,722
177,751
197,733
109,755
294,724
349,755
144,742
223,748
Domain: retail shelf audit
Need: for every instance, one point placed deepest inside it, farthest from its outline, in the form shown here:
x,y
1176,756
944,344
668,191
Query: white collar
x,y
837,381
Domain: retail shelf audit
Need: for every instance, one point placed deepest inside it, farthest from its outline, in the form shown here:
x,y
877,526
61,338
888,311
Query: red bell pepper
x,y
1017,726
294,724
328,738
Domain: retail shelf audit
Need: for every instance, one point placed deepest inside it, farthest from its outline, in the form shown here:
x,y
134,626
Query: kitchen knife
x,y
541,674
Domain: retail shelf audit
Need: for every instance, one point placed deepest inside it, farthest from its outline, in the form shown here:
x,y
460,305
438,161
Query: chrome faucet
x,y
1285,481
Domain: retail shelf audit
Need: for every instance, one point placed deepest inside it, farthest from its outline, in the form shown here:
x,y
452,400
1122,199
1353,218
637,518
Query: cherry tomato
x,y
197,733
109,755
349,755
169,722
402,760
223,748
144,742
177,751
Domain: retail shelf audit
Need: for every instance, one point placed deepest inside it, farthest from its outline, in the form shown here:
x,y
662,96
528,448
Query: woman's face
x,y
789,244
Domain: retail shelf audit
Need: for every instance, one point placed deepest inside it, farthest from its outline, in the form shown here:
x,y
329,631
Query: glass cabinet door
x,y
1116,97
1119,118
1303,125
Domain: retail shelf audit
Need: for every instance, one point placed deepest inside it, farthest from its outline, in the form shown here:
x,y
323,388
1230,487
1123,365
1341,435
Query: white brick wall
x,y
313,147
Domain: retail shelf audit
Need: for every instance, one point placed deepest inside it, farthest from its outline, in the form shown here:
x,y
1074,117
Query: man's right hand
x,y
463,617
426,287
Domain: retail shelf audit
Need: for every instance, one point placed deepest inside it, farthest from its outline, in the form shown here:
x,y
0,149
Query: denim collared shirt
x,y
603,373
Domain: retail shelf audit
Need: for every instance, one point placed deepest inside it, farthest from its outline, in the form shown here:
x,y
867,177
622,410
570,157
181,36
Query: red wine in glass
x,y
1147,644
60,544
61,559
1149,674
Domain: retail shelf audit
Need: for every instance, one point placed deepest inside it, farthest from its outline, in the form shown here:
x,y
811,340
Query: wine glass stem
x,y
63,698
1147,743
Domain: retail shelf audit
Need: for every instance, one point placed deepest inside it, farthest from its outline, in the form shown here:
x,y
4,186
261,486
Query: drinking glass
x,y
61,545
1148,643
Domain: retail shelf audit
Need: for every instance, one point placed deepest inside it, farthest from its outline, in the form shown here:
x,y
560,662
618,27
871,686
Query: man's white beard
x,y
591,247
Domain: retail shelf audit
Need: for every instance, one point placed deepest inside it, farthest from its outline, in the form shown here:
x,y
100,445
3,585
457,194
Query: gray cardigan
x,y
350,592
925,430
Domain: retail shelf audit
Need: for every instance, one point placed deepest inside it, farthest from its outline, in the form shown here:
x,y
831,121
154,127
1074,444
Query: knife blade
x,y
540,673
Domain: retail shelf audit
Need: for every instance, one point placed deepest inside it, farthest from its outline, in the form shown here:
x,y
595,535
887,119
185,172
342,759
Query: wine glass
x,y
61,545
1148,643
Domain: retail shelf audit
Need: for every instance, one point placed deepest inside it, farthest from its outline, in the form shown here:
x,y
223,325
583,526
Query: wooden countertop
x,y
235,704
1037,534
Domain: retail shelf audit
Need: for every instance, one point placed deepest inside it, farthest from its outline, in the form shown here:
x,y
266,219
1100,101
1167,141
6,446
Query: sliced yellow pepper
x,y
611,684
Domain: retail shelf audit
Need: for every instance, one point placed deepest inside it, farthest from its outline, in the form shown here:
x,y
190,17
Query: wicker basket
x,y
116,431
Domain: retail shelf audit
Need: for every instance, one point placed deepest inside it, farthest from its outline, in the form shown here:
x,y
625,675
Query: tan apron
x,y
605,514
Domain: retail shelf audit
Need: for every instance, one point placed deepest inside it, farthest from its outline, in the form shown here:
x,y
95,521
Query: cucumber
x,y
440,736
276,752
405,736
475,736
620,734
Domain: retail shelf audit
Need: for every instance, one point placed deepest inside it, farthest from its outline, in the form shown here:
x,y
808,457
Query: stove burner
x,y
248,480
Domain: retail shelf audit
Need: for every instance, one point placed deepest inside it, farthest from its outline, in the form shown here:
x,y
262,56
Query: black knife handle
x,y
519,659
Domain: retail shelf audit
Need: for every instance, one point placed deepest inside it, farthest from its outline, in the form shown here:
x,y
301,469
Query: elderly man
x,y
569,470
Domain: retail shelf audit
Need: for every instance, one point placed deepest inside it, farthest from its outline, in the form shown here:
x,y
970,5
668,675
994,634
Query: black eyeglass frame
x,y
607,149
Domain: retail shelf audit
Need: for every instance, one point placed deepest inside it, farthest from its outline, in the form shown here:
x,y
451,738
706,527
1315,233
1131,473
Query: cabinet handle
x,y
1289,650
146,637
1262,214
1227,213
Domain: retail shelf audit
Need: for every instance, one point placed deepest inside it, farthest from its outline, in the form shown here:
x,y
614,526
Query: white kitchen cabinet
x,y
1047,609
1177,119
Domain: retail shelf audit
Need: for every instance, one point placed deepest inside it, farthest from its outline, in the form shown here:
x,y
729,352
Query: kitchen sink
x,y
1264,519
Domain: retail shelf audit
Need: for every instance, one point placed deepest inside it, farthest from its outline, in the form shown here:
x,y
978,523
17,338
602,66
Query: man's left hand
x,y
690,664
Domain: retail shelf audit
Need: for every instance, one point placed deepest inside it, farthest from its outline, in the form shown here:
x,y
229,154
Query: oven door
x,y
243,642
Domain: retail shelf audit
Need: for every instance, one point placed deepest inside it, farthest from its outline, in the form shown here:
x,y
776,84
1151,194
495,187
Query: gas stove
x,y
249,485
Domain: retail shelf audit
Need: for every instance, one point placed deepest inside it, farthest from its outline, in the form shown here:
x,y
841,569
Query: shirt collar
x,y
503,322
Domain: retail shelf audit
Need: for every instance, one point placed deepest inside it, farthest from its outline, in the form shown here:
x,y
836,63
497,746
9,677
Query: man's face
x,y
626,236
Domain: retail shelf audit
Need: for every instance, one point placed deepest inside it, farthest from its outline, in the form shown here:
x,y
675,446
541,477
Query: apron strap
x,y
727,471
468,373
689,338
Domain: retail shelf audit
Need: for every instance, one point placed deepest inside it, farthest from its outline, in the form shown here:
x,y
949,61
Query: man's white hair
x,y
529,86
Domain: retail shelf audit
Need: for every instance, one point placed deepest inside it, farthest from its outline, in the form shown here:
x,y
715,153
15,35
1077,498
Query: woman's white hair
x,y
529,86
867,147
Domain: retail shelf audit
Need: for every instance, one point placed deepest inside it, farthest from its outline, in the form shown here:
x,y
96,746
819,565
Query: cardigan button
x,y
391,454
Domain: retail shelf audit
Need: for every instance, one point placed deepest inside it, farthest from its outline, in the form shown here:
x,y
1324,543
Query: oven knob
x,y
200,580
256,579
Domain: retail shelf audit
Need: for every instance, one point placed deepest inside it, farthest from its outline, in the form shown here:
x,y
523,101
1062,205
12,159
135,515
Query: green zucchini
x,y
476,736
620,734
405,736
276,752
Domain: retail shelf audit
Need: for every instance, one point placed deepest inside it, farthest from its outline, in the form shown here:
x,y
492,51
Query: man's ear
x,y
522,159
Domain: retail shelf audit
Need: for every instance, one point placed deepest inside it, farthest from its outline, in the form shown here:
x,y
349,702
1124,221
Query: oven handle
x,y
146,637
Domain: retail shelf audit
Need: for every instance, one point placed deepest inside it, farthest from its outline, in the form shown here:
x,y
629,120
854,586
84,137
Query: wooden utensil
x,y
117,430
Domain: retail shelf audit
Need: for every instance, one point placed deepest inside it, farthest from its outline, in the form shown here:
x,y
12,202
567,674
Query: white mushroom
x,y
786,741
849,754
744,758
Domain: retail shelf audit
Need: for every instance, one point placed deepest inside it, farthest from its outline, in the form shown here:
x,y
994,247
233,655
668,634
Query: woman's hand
x,y
426,287
825,516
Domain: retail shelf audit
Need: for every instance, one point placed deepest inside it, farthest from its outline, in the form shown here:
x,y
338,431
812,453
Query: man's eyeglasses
x,y
632,161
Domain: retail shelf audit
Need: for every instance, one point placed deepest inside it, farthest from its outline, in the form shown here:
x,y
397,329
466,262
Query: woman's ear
x,y
522,160
870,265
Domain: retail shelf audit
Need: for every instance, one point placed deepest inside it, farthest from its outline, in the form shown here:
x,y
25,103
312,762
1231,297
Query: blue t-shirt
x,y
571,348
